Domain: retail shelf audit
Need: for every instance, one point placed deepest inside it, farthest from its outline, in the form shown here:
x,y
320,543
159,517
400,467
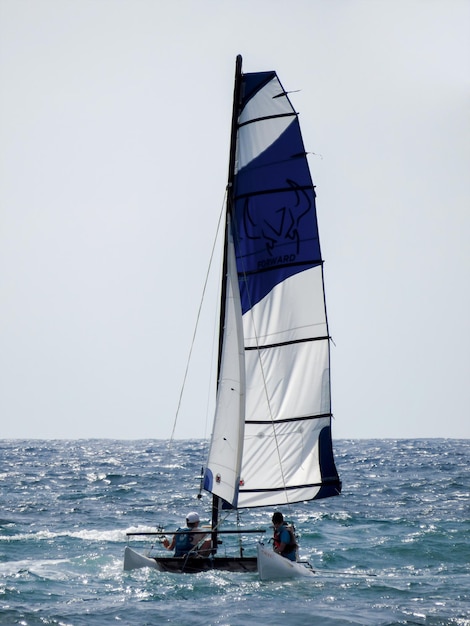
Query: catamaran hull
x,y
134,560
196,565
272,566
268,564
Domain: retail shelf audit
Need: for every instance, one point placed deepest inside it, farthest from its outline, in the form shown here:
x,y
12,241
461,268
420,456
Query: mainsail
x,y
271,442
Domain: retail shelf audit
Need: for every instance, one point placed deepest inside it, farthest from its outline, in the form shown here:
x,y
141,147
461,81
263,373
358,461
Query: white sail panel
x,y
253,139
271,322
268,101
287,394
223,467
285,457
295,378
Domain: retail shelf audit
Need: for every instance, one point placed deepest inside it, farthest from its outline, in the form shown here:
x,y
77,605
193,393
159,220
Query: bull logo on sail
x,y
277,228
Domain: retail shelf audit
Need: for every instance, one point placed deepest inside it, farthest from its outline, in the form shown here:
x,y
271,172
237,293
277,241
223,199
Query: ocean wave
x,y
85,535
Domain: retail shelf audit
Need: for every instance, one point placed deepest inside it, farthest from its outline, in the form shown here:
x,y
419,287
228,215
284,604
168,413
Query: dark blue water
x,y
394,548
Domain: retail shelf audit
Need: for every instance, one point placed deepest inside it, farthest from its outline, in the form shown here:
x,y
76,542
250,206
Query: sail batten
x,y
325,481
286,343
288,188
267,117
290,419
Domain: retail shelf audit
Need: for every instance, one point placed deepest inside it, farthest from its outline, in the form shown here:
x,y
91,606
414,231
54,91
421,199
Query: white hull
x,y
272,566
134,560
189,565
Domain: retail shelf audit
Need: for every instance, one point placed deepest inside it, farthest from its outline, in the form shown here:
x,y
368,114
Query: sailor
x,y
184,541
284,537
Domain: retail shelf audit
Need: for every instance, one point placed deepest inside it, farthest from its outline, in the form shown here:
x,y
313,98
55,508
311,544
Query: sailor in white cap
x,y
192,518
184,541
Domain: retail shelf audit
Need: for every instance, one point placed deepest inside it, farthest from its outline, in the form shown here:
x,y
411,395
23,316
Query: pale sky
x,y
114,138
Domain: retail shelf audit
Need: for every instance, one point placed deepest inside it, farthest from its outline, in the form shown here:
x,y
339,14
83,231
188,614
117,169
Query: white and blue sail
x,y
271,442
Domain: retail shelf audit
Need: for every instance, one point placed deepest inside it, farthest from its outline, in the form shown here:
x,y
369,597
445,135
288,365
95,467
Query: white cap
x,y
192,517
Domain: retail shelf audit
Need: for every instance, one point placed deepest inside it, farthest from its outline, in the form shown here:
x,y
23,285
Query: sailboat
x,y
271,442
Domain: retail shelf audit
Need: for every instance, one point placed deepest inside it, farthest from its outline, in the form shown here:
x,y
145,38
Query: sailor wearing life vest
x,y
284,538
186,541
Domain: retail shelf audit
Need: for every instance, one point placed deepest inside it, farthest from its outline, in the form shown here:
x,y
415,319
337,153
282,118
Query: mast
x,y
230,178
216,500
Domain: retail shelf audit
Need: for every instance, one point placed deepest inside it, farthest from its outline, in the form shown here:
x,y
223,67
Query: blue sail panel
x,y
284,159
275,223
253,82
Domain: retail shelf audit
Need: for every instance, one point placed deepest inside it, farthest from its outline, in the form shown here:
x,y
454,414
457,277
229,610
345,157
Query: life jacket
x,y
289,547
184,541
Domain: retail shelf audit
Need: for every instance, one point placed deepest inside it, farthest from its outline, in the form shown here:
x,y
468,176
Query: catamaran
x,y
271,442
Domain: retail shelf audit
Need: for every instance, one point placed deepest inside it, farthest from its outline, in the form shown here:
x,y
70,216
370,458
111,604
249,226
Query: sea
x,y
393,549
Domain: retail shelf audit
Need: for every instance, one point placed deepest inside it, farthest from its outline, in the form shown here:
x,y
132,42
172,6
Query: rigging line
x,y
211,374
197,320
